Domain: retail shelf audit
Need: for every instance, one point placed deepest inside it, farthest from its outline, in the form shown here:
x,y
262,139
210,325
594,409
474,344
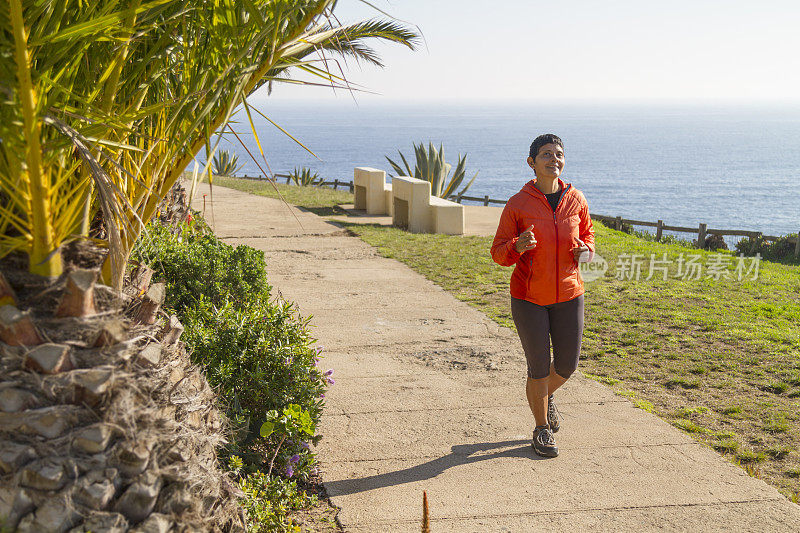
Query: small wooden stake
x,y
78,299
151,302
659,229
426,521
16,327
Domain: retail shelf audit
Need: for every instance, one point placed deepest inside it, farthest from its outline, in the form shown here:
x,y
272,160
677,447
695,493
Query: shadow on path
x,y
460,454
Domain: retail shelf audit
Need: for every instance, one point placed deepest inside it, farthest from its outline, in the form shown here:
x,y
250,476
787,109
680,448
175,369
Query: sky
x,y
578,50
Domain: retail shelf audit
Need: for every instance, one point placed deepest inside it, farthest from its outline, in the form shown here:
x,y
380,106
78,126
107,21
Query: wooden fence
x,y
702,230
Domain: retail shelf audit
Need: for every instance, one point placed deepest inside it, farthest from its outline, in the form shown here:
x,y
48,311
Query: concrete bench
x,y
447,217
416,210
371,191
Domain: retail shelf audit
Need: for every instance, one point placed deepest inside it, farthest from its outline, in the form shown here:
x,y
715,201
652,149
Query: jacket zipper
x,y
555,227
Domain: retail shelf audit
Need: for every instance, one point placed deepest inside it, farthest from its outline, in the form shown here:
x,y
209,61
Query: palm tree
x,y
171,72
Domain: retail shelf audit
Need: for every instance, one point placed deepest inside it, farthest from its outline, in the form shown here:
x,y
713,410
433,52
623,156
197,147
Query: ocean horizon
x,y
729,166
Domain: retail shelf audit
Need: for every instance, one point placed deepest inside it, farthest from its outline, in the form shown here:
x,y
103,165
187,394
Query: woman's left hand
x,y
580,247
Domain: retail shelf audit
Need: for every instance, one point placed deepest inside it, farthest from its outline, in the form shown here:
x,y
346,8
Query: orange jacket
x,y
547,274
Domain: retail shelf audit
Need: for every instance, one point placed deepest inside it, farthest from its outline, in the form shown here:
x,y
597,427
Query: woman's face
x,y
549,161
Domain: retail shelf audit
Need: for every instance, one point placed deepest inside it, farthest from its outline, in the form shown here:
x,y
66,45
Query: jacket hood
x,y
531,189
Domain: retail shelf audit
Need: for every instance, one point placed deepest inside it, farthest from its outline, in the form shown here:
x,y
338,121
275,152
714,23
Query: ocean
x,y
732,167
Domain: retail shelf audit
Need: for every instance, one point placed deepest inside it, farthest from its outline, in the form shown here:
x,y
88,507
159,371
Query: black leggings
x,y
537,324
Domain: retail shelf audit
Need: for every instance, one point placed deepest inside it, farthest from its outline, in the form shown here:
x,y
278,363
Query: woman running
x,y
545,230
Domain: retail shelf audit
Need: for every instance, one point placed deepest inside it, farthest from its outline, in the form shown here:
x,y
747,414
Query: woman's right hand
x,y
526,241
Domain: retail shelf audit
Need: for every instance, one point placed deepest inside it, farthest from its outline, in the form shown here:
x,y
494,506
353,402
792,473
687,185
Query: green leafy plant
x,y
781,250
304,177
255,350
225,164
293,423
431,166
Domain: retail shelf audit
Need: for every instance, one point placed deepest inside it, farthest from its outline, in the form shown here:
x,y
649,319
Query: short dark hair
x,y
541,140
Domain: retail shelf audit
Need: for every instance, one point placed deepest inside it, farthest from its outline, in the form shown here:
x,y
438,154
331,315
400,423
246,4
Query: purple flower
x,y
322,395
295,459
330,381
289,471
328,372
305,445
318,349
316,360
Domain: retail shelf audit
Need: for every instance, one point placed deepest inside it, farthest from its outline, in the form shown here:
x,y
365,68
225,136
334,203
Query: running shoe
x,y
543,442
553,417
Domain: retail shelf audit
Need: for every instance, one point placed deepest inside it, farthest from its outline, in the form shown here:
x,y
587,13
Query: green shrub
x,y
781,251
197,266
256,352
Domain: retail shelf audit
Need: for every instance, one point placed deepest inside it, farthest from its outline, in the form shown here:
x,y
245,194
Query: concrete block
x,y
448,217
370,190
411,204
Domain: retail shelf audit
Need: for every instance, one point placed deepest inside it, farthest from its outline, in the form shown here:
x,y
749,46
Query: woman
x,y
545,229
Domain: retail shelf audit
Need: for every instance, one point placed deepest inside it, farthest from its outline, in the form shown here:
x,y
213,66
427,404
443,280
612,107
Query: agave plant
x,y
304,177
431,166
225,164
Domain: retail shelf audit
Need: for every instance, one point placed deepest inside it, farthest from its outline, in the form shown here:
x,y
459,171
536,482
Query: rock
x,y
13,456
49,359
150,356
105,522
13,400
93,439
43,475
16,327
138,501
96,489
155,523
56,514
132,457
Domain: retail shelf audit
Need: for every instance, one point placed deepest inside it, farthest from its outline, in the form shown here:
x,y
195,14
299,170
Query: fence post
x,y
458,201
618,224
659,229
486,200
701,236
288,179
755,242
352,185
335,184
797,245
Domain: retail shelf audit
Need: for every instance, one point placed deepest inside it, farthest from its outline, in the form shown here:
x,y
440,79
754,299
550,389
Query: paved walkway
x,y
428,396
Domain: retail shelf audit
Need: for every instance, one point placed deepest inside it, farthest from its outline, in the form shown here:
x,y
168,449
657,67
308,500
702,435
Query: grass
x,y
718,358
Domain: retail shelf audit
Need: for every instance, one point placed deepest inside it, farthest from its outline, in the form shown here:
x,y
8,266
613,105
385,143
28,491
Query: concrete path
x,y
429,396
